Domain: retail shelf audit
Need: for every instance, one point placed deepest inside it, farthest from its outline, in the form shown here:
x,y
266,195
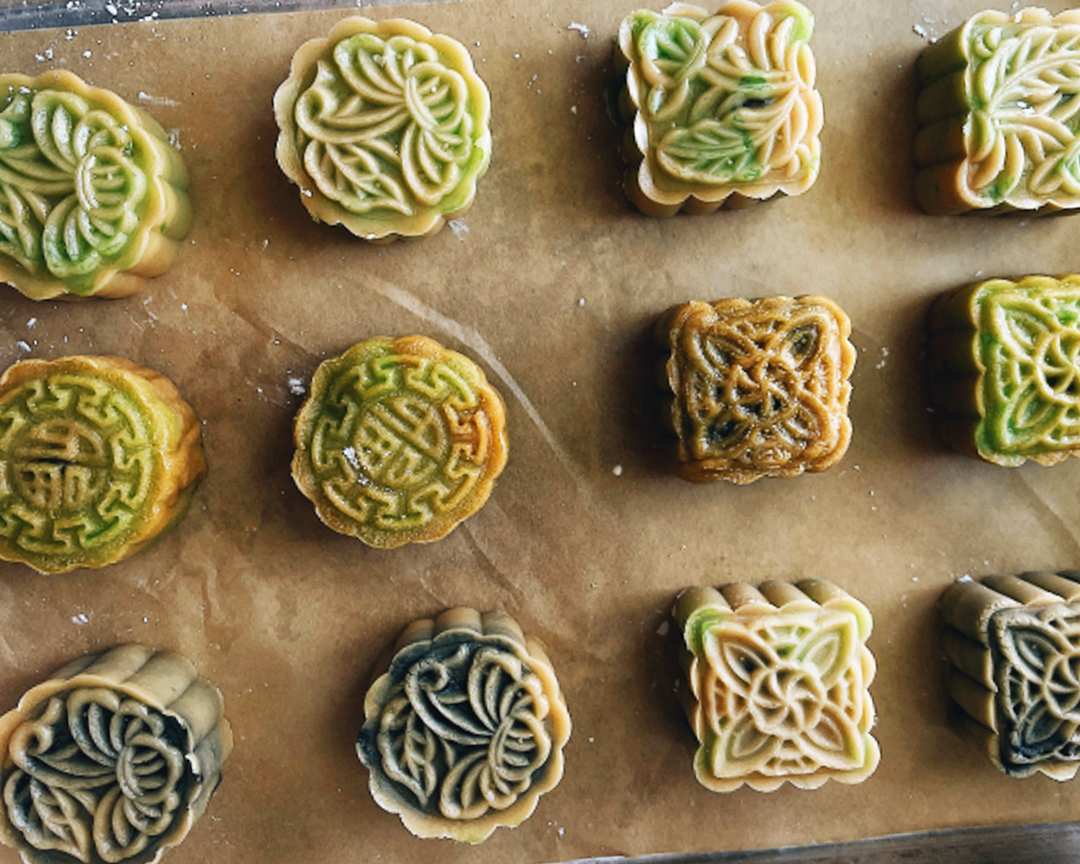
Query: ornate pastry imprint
x,y
721,105
466,729
1017,347
97,456
1000,114
112,760
760,388
384,126
778,679
399,440
1013,645
92,196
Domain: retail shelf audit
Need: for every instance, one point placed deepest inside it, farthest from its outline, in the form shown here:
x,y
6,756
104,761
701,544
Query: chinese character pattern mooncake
x,y
1005,369
112,760
1013,646
778,685
999,115
758,388
721,107
399,441
778,679
93,198
97,457
465,729
384,127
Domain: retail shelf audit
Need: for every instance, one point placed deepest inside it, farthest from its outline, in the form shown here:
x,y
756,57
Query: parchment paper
x,y
551,282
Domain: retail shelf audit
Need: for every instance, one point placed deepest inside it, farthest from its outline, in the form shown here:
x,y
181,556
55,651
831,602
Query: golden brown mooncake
x,y
1005,369
384,127
778,682
1013,649
93,200
399,440
757,388
97,457
464,727
721,107
112,760
998,115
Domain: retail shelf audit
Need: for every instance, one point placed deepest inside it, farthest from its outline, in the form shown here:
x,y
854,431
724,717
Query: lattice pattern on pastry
x,y
778,690
98,769
722,102
761,388
466,729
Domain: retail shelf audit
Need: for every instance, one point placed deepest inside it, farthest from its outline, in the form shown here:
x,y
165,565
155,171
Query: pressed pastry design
x,y
92,197
1013,646
112,760
778,681
722,107
464,730
97,457
1005,369
760,388
384,127
399,441
999,114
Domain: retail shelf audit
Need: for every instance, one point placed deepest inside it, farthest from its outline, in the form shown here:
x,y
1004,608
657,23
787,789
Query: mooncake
x,y
998,115
112,760
464,728
1005,369
721,108
777,684
97,457
384,127
1013,650
93,198
399,440
757,388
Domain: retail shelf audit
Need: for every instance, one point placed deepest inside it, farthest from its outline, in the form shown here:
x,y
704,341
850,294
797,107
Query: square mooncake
x,y
759,388
1005,369
779,679
1013,647
999,115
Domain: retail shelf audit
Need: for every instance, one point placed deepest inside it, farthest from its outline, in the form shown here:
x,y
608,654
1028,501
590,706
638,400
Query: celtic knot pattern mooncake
x,y
465,729
384,127
1013,646
759,388
93,198
999,115
112,760
778,679
97,457
399,441
1005,369
722,107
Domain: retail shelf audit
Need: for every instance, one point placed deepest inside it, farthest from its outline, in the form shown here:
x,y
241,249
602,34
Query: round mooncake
x,y
97,457
384,127
93,199
112,759
399,440
464,729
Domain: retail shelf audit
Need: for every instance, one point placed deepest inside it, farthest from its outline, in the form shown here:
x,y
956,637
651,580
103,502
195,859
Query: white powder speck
x,y
573,109
561,831
914,578
581,300
617,470
919,30
517,56
183,307
663,629
297,388
32,322
87,54
22,346
580,28
350,455
459,228
80,619
592,740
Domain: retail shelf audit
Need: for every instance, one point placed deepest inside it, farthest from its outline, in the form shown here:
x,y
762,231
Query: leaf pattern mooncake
x,y
778,681
399,441
999,115
93,198
464,728
112,760
97,457
721,108
384,127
